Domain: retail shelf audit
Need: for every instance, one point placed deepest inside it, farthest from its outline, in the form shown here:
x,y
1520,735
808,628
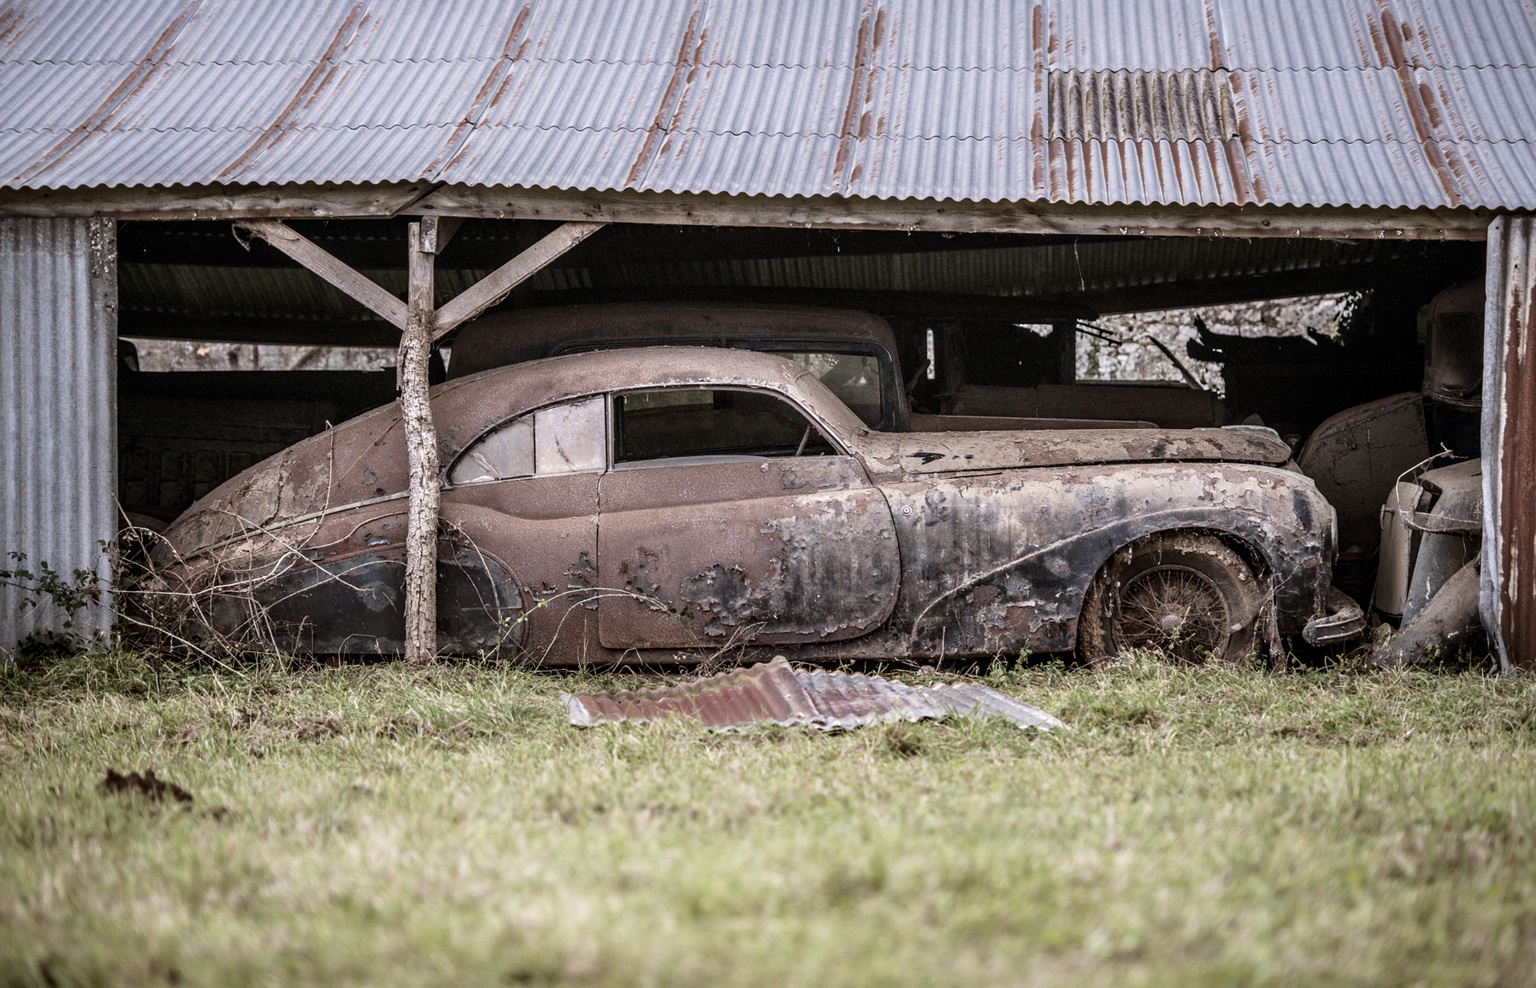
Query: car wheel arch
x,y
1217,560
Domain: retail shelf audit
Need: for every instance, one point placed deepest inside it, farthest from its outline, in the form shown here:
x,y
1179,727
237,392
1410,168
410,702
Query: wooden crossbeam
x,y
325,264
495,286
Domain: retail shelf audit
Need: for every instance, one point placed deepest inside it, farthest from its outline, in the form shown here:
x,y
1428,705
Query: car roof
x,y
502,392
529,334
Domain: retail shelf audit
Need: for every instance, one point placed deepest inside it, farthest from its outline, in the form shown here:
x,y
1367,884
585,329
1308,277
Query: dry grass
x,y
388,824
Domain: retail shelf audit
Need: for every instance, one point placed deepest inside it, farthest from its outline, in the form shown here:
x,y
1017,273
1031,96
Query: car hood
x,y
966,452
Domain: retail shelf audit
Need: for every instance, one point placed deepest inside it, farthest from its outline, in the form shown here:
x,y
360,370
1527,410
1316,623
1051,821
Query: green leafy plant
x,y
70,594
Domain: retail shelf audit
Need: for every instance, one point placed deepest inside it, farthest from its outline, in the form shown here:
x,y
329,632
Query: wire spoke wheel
x,y
1185,595
1176,610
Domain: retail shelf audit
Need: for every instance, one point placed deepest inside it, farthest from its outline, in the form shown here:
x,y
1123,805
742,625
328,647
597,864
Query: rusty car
x,y
668,503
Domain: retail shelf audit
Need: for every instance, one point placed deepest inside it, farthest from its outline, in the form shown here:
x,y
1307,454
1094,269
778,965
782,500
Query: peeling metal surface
x,y
1448,622
888,545
58,406
776,693
781,551
1415,103
1141,105
1508,588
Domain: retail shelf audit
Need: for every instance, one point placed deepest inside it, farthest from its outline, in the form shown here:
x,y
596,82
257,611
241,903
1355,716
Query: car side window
x,y
568,438
717,423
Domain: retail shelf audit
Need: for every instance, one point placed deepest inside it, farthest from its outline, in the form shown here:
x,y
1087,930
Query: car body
x,y
665,501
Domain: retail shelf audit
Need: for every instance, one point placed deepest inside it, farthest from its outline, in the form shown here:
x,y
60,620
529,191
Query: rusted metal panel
x,y
1508,588
58,408
790,550
1355,458
1140,105
775,693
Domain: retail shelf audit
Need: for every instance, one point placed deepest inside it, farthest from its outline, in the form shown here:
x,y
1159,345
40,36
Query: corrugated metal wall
x,y
58,405
1509,442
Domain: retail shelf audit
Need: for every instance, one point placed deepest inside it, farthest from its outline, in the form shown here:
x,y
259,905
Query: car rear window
x,y
568,438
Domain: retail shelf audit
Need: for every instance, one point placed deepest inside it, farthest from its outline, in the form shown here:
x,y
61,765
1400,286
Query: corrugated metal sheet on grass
x,y
1417,103
58,406
1508,598
776,693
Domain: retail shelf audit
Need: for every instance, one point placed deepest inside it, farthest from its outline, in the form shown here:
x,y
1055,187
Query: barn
x,y
274,173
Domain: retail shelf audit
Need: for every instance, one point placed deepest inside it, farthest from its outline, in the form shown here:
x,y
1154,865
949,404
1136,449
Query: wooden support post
x,y
420,326
421,454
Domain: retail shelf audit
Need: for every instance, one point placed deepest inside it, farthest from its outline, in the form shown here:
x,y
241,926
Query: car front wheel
x,y
1183,594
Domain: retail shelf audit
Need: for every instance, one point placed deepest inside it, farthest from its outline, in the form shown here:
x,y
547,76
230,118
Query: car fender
x,y
1002,561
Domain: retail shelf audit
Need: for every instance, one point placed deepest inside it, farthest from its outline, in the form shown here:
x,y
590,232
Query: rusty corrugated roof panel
x,y
776,693
1414,103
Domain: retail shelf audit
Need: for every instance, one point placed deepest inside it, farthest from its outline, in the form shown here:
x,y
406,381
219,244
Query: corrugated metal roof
x,y
1391,103
1040,269
775,693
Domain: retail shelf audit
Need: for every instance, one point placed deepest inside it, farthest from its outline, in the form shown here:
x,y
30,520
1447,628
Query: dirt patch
x,y
263,729
410,727
241,719
147,785
1315,735
318,728
402,726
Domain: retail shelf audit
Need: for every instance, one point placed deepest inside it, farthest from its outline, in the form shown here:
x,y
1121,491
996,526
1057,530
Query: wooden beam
x,y
206,328
328,266
436,231
216,202
499,283
333,200
909,215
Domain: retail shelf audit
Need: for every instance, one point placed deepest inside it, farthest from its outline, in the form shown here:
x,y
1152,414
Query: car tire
x,y
1186,595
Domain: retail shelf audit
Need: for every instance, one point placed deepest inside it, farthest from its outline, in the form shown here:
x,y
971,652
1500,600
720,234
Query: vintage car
x,y
668,502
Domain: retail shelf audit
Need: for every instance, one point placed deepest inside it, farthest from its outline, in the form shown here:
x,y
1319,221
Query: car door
x,y
728,515
525,494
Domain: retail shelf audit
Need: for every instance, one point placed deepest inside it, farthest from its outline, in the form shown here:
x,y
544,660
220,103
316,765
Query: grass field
x,y
386,824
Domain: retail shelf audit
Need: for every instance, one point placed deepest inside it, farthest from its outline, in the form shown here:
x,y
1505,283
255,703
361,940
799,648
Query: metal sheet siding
x,y
58,404
1508,597
1416,103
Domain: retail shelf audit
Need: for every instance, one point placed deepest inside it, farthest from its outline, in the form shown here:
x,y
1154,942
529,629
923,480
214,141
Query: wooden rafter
x,y
495,286
328,266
